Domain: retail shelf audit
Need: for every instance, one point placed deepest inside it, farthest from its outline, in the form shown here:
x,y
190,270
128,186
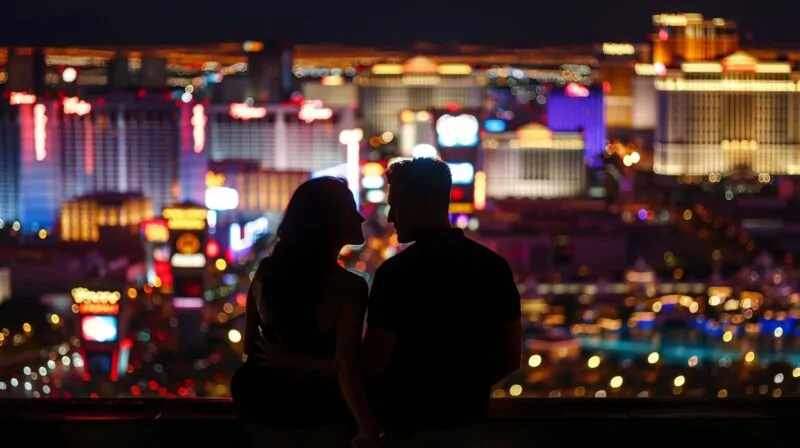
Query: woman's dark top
x,y
293,299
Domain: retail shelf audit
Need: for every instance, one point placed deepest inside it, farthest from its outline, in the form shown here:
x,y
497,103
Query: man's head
x,y
419,196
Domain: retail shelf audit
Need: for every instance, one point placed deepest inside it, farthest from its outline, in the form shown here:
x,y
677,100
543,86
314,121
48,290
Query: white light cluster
x,y
458,130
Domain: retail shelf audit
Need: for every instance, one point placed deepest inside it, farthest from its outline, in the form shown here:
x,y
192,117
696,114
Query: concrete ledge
x,y
504,409
514,423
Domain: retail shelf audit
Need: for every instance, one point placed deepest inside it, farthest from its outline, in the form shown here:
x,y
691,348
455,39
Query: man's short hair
x,y
422,177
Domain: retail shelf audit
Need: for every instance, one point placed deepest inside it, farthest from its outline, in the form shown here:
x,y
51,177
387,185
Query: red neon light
x,y
212,249
39,131
18,98
243,111
76,106
199,121
312,110
88,147
114,375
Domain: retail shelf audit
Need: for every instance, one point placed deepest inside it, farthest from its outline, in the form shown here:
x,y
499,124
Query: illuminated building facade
x,y
617,58
418,84
304,137
103,327
9,163
567,99
40,174
734,113
690,37
121,146
192,153
582,111
458,140
114,215
257,191
534,162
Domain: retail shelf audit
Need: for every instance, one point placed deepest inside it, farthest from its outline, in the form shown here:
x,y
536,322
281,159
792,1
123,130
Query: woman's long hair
x,y
312,223
301,254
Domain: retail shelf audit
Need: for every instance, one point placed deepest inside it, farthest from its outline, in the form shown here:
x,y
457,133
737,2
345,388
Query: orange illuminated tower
x,y
690,37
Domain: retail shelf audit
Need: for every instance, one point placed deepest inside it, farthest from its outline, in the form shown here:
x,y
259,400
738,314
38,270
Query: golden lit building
x,y
690,37
615,70
534,162
257,190
733,113
85,219
420,83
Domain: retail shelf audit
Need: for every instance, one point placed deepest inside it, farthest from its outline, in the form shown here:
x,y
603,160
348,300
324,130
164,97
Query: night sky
x,y
374,22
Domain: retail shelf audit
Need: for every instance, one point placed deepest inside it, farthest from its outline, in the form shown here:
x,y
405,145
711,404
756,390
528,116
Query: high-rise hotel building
x,y
418,84
729,114
691,37
72,147
533,162
283,137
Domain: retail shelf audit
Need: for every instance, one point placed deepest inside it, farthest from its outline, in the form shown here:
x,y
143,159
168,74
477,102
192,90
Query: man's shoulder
x,y
485,255
350,279
399,261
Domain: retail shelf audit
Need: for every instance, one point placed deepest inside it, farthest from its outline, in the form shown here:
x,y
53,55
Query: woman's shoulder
x,y
348,283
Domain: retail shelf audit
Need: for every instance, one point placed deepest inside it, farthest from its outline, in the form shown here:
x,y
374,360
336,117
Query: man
x,y
443,323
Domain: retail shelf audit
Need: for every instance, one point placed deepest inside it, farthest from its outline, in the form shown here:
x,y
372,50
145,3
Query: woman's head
x,y
322,212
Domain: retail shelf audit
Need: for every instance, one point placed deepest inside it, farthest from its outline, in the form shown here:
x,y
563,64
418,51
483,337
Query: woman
x,y
304,320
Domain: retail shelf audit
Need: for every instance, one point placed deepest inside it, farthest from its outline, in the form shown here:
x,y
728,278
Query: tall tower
x,y
690,37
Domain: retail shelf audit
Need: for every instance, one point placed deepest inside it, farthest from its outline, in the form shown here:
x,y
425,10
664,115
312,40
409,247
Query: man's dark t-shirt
x,y
447,299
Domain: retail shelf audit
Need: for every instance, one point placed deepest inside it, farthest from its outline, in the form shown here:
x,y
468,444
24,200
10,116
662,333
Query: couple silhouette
x,y
442,321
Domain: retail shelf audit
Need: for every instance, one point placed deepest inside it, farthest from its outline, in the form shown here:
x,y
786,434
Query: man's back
x,y
447,300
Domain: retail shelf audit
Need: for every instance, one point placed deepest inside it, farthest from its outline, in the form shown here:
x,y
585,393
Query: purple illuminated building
x,y
586,114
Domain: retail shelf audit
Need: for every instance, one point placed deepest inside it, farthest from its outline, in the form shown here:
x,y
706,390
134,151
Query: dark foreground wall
x,y
515,423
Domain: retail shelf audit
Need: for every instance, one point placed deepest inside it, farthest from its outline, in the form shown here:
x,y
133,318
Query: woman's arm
x,y
251,314
276,355
348,344
257,347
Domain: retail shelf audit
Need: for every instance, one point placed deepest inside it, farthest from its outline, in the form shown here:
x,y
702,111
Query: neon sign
x,y
99,308
187,303
479,197
244,111
199,121
155,231
424,150
462,173
618,49
252,230
187,244
352,139
99,328
18,98
39,131
186,218
214,179
457,131
222,198
312,110
576,90
188,260
76,106
96,302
